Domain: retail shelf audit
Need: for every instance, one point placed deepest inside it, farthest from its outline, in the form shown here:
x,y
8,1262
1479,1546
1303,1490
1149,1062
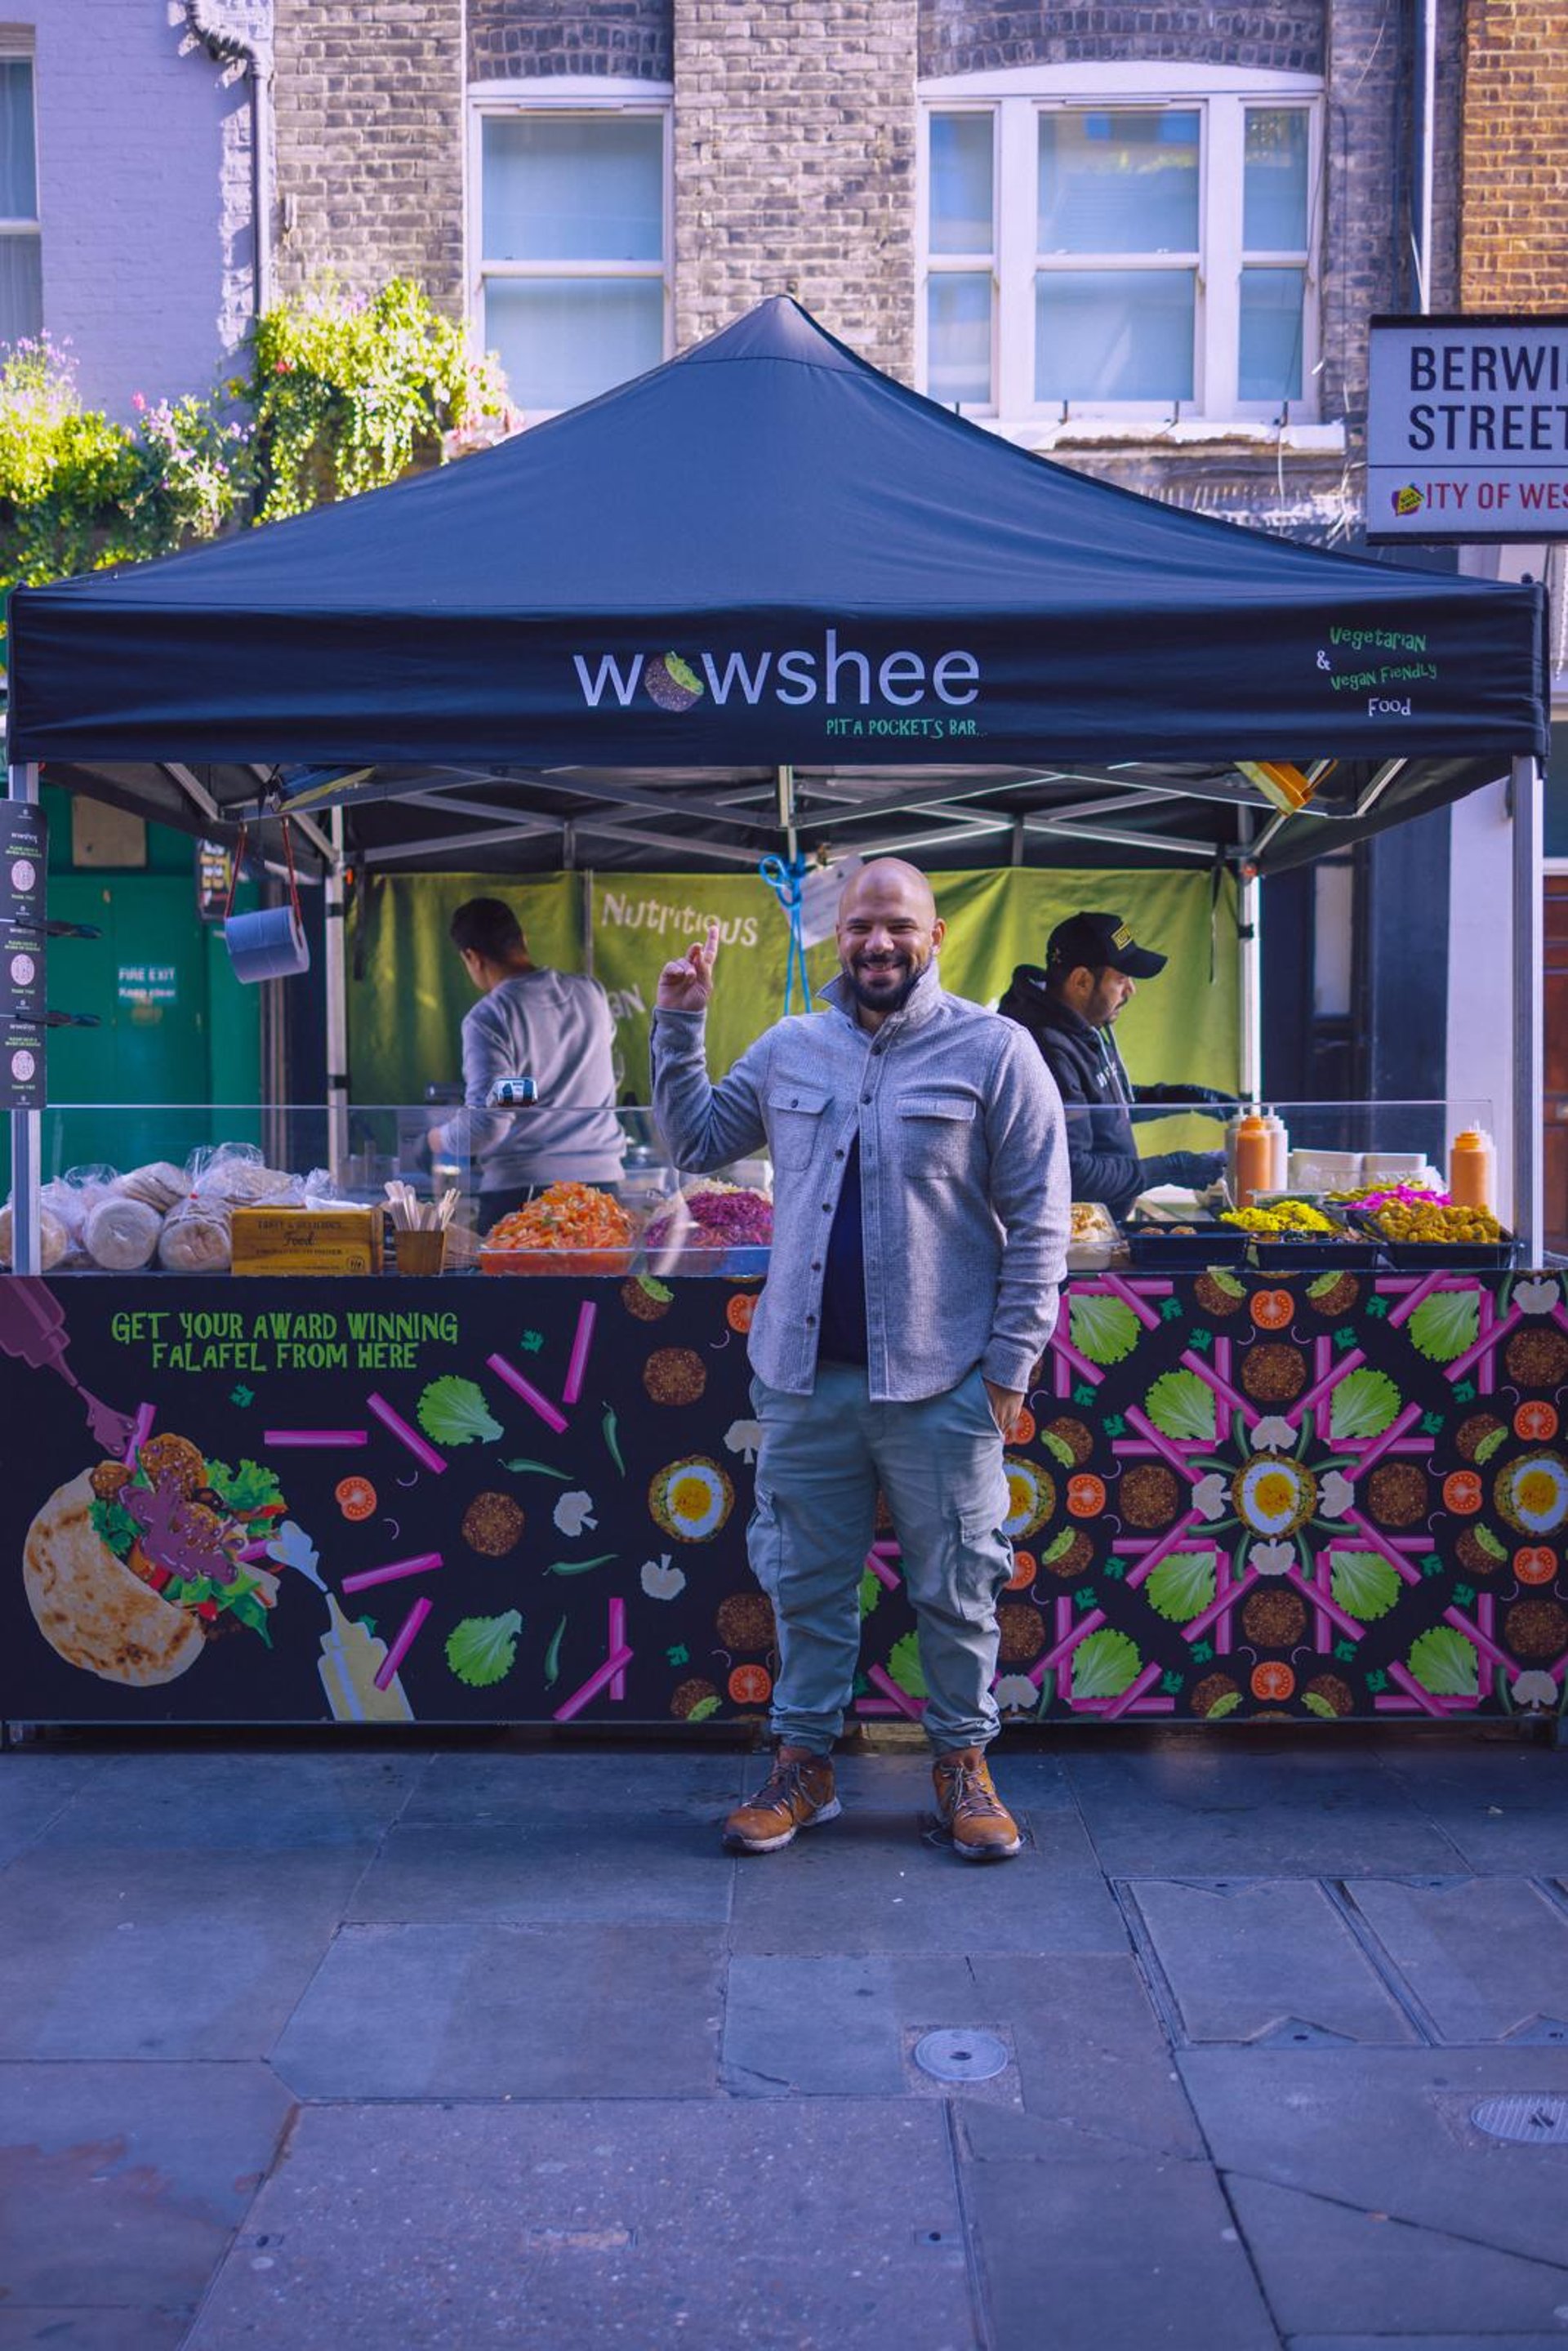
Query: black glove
x,y
1197,1169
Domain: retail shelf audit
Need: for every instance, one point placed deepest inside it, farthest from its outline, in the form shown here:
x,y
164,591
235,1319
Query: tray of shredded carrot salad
x,y
569,1228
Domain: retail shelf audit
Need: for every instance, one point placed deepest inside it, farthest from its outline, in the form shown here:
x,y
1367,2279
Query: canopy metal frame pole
x,y
27,1125
335,958
1529,1020
1250,944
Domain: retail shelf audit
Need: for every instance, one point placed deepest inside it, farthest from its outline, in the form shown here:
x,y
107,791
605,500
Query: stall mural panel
x,y
1324,1496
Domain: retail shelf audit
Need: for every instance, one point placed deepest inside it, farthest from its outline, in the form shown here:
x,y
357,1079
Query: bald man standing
x,y
920,1233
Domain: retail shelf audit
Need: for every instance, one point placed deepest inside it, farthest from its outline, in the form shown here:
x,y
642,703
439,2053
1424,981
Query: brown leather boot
x,y
796,1794
981,1827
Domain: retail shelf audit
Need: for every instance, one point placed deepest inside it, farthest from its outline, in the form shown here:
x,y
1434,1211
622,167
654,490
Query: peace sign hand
x,y
687,985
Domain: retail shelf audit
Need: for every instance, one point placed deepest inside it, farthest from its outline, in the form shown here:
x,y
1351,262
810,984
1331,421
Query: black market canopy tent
x,y
763,597
766,583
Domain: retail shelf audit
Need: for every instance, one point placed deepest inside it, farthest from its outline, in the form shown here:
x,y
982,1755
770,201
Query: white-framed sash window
x,y
21,255
1097,241
569,236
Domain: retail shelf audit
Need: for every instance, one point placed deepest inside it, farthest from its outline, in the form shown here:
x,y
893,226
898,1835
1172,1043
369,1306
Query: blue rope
x,y
784,876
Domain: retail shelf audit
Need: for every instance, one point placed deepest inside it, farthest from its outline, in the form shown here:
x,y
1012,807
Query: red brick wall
x,y
1513,214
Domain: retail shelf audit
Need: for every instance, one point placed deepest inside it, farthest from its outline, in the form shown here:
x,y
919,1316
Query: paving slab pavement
x,y
636,2223
469,2042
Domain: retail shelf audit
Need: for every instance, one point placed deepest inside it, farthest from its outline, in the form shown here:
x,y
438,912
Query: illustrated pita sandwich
x,y
130,1570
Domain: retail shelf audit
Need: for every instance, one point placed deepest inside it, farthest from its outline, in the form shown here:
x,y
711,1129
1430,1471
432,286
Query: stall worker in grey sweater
x,y
552,1026
920,1229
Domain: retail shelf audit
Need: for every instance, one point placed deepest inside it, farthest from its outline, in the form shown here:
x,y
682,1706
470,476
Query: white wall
x,y
1480,976
144,188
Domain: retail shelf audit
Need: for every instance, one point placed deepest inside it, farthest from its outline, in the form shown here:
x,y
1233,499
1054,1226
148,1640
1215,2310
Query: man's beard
x,y
884,1000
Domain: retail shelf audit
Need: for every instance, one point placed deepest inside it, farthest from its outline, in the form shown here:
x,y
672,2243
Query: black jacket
x,y
1097,1093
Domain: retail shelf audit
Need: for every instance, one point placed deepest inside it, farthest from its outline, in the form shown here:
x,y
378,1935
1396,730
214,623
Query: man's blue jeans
x,y
939,1462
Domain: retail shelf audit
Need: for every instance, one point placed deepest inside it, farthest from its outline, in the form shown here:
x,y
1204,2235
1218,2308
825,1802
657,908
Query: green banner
x,y
406,1007
408,991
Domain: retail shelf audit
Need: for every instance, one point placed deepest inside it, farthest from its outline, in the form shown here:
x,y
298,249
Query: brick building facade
x,y
1513,233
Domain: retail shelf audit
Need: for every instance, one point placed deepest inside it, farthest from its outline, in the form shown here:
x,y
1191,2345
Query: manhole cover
x,y
1532,2122
961,2056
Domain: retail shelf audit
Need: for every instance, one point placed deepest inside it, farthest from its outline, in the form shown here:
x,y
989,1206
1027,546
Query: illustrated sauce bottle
x,y
348,1666
1254,1159
1472,1169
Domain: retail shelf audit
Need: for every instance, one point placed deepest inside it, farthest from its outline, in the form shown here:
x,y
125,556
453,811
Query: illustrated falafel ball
x,y
1475,1552
201,1528
1397,1494
493,1525
1022,1634
1148,1496
173,1461
688,1696
1070,1441
1075,1558
646,1299
1273,1618
1480,1430
1537,1357
674,1375
1334,1691
1341,1295
1536,1628
1218,1296
744,1621
883,1515
1212,1691
110,1478
1272,1373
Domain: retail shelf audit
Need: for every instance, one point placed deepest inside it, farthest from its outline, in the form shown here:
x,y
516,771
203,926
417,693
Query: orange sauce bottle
x,y
1254,1159
1472,1180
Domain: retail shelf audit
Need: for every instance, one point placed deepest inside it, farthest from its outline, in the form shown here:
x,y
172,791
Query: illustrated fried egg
x,y
1274,1495
1532,1493
1031,1497
691,1499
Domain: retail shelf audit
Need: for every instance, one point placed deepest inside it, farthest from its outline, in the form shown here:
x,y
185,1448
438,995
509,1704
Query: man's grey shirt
x,y
963,1173
554,1026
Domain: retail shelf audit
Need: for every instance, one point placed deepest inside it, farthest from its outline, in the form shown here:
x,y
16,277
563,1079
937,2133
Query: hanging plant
x,y
348,392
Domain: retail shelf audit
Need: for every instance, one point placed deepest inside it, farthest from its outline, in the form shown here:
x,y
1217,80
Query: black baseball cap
x,y
1096,940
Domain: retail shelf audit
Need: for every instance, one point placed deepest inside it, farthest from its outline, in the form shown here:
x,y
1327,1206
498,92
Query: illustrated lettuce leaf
x,y
1444,1324
903,1665
1104,1664
1315,1704
1181,1404
248,1488
871,1593
453,1412
1443,1662
1182,1585
113,1524
703,1708
1364,1404
1363,1585
1223,1705
1103,1329
484,1649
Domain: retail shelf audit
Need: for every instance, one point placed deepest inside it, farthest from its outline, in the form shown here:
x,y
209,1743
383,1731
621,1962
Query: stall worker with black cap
x,y
1093,966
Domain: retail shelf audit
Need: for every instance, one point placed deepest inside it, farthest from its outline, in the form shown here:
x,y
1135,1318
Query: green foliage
x,y
347,392
78,491
342,394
